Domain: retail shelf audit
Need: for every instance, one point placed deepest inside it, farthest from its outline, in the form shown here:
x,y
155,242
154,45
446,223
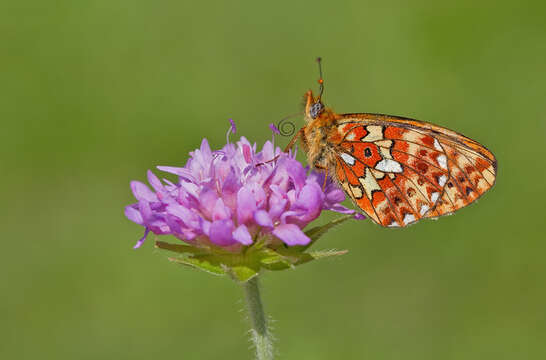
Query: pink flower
x,y
235,196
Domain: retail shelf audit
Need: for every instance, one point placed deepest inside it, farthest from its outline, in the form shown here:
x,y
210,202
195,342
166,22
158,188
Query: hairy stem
x,y
260,333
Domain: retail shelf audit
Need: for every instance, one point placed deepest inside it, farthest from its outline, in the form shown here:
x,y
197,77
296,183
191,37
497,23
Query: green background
x,y
94,93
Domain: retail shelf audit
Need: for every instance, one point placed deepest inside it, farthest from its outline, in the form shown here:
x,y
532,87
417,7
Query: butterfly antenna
x,y
320,80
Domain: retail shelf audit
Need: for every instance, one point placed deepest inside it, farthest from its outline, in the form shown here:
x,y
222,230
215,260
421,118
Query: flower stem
x,y
260,333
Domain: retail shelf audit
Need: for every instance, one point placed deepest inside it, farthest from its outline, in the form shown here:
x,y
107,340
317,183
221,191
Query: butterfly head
x,y
313,106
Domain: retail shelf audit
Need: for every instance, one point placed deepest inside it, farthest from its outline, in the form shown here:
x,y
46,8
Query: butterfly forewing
x,y
400,170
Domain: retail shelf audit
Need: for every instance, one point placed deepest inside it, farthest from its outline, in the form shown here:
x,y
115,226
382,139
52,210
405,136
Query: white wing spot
x,y
423,210
442,180
394,224
442,161
351,136
434,196
388,165
437,145
348,159
409,218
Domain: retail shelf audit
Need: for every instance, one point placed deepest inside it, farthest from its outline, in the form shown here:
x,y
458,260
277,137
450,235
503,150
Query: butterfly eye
x,y
316,109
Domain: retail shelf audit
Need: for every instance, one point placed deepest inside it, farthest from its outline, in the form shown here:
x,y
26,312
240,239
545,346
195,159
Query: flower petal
x,y
335,195
205,149
311,199
220,232
155,182
142,192
277,202
184,214
142,239
340,209
207,200
182,172
220,211
246,205
291,235
242,235
263,219
132,213
145,211
247,153
296,172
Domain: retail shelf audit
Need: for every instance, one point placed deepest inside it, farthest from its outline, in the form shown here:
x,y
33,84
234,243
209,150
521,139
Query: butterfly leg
x,y
299,135
268,161
325,170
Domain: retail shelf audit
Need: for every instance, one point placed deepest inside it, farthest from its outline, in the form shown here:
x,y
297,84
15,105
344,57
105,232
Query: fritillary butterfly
x,y
397,170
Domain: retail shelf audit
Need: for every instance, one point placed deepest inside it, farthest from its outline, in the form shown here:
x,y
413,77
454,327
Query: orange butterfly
x,y
397,170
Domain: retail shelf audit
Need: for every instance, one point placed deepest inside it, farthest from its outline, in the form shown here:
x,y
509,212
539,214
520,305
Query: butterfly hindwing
x,y
401,170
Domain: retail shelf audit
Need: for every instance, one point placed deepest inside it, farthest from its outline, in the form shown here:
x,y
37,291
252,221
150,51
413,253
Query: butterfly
x,y
397,170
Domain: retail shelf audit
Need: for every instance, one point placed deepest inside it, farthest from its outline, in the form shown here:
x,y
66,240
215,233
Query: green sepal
x,y
245,265
199,264
182,249
238,266
240,273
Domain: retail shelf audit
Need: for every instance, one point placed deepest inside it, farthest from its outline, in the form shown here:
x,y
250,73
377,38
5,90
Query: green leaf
x,y
278,266
200,264
321,254
269,256
179,248
302,258
272,260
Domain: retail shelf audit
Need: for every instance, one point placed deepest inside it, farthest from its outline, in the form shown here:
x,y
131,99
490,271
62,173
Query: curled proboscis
x,y
286,127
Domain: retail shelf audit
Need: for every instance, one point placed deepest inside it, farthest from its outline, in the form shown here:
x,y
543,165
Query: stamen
x,y
231,129
274,129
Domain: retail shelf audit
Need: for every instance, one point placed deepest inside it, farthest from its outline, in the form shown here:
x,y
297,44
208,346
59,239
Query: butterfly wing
x,y
400,170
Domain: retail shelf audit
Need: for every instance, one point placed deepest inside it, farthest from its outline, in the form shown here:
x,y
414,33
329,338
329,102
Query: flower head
x,y
234,196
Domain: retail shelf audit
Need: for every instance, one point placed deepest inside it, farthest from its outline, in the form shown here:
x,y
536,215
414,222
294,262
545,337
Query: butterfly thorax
x,y
320,137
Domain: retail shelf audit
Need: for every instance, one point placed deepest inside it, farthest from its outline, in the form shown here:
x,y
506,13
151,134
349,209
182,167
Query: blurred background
x,y
94,93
